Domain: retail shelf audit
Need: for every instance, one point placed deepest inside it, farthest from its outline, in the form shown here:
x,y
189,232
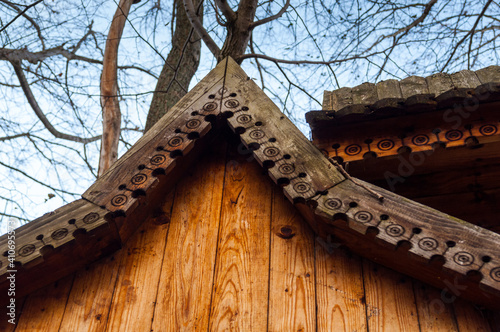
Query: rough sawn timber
x,y
350,207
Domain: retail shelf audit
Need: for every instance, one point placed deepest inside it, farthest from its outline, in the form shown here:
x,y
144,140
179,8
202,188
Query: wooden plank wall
x,y
227,251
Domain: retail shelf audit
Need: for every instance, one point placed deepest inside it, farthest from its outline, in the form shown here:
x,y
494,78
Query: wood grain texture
x,y
89,301
292,300
388,89
276,142
43,310
133,175
435,312
471,318
135,293
392,293
240,290
340,295
57,244
184,290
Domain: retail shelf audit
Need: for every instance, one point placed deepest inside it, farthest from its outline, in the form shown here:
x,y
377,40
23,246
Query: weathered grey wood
x,y
55,244
388,89
463,246
338,99
439,83
413,85
489,74
465,79
364,94
135,172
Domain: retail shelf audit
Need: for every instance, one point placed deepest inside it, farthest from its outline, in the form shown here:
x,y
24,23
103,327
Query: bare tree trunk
x,y
180,66
111,115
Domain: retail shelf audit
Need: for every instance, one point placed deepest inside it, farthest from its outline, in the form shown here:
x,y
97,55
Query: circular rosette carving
x,y
158,159
286,169
333,203
59,234
363,216
271,152
463,258
420,139
139,179
231,103
495,273
26,250
93,217
210,107
353,149
453,135
244,118
427,244
395,230
301,187
175,141
488,130
119,200
257,134
193,123
385,144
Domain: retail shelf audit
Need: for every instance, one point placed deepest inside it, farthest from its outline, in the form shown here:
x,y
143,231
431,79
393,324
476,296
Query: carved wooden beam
x,y
350,208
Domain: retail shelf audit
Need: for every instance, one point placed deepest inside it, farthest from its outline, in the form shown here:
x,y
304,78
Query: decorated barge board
x,y
386,228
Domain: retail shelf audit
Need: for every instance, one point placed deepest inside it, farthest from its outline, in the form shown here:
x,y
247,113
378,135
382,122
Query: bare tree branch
x,y
226,10
271,18
20,14
39,113
111,114
32,21
198,27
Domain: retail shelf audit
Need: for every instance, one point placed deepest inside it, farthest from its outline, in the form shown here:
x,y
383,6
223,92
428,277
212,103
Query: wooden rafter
x,y
385,227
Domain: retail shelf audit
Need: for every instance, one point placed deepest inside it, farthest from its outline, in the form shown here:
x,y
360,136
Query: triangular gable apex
x,y
371,221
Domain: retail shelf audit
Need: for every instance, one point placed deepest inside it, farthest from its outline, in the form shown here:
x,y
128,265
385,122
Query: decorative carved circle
x,y
257,134
495,273
420,139
210,107
158,159
333,203
92,217
222,91
286,168
301,187
353,149
453,135
193,123
139,179
244,118
232,103
119,200
463,258
59,234
175,141
26,250
395,230
363,216
271,151
427,244
385,144
488,130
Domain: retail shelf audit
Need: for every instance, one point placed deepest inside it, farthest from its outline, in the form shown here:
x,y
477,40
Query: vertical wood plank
x,y
188,263
135,292
5,326
434,314
43,310
469,318
240,293
90,297
392,293
340,294
292,305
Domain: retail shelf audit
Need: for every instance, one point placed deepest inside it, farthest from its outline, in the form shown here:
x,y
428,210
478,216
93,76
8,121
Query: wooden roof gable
x,y
404,235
